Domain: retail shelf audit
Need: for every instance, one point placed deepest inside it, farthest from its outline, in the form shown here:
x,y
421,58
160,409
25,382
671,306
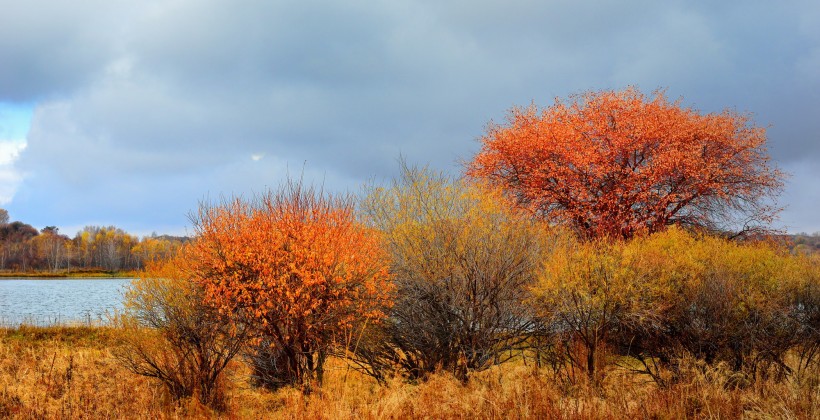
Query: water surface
x,y
59,301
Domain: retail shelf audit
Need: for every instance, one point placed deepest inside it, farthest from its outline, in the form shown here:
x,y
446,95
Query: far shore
x,y
84,274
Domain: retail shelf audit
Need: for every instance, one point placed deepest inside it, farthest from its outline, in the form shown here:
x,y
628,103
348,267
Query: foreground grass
x,y
68,372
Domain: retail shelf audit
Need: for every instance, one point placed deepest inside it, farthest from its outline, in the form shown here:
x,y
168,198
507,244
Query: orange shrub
x,y
297,267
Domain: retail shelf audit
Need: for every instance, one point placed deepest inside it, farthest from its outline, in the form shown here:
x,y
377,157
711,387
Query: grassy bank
x,y
73,274
69,372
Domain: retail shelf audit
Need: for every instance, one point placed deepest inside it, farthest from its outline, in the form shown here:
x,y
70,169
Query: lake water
x,y
59,301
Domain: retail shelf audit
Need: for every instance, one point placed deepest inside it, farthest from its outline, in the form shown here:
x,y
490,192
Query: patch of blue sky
x,y
15,121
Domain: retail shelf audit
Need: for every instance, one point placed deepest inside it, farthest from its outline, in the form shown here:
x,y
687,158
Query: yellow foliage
x,y
168,333
756,274
463,261
676,292
431,222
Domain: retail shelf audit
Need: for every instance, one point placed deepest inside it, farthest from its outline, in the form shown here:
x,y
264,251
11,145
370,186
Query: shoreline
x,y
48,275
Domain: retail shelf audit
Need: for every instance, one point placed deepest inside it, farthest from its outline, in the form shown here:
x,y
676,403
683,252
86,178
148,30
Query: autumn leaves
x,y
541,250
462,261
673,295
297,266
618,164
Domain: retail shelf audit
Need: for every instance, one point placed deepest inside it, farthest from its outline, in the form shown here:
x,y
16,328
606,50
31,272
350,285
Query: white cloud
x,y
10,177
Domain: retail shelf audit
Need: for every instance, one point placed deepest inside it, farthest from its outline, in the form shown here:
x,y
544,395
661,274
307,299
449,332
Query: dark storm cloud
x,y
50,48
145,108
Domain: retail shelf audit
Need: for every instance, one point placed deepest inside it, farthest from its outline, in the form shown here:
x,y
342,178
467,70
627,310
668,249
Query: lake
x,y
59,301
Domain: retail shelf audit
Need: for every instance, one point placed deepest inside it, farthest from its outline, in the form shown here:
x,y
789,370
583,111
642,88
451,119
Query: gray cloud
x,y
145,108
52,48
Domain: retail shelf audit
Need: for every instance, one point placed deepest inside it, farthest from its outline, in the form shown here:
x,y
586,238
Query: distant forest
x,y
95,248
804,242
108,248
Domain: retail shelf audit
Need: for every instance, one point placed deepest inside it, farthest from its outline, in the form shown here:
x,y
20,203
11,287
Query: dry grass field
x,y
69,372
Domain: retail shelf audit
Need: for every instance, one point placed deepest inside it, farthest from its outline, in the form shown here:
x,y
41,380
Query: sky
x,y
132,113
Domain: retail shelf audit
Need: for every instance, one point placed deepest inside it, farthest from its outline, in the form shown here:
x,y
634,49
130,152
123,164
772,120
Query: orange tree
x,y
617,163
298,268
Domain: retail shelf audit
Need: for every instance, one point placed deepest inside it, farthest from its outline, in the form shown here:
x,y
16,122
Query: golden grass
x,y
63,372
68,372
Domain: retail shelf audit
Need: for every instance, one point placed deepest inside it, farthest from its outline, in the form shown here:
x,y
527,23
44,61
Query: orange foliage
x,y
296,265
619,163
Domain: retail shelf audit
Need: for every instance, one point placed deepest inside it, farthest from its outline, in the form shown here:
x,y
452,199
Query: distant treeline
x,y
804,242
23,248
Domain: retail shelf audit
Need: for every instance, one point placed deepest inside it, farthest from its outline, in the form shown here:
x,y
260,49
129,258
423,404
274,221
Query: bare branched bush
x,y
463,263
588,301
805,309
674,296
271,365
746,305
168,333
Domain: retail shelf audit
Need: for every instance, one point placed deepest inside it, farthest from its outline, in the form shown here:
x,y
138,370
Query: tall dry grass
x,y
69,372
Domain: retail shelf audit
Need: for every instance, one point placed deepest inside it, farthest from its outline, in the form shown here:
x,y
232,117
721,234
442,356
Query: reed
x,y
69,372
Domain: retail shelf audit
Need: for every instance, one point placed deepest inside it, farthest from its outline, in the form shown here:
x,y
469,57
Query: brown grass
x,y
68,372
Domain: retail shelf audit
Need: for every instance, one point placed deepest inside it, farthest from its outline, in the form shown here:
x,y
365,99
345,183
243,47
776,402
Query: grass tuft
x,y
69,372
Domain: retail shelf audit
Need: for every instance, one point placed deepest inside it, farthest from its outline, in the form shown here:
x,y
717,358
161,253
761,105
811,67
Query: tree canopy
x,y
615,163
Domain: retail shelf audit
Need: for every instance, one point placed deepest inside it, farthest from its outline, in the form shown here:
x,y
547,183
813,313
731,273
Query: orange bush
x,y
297,267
